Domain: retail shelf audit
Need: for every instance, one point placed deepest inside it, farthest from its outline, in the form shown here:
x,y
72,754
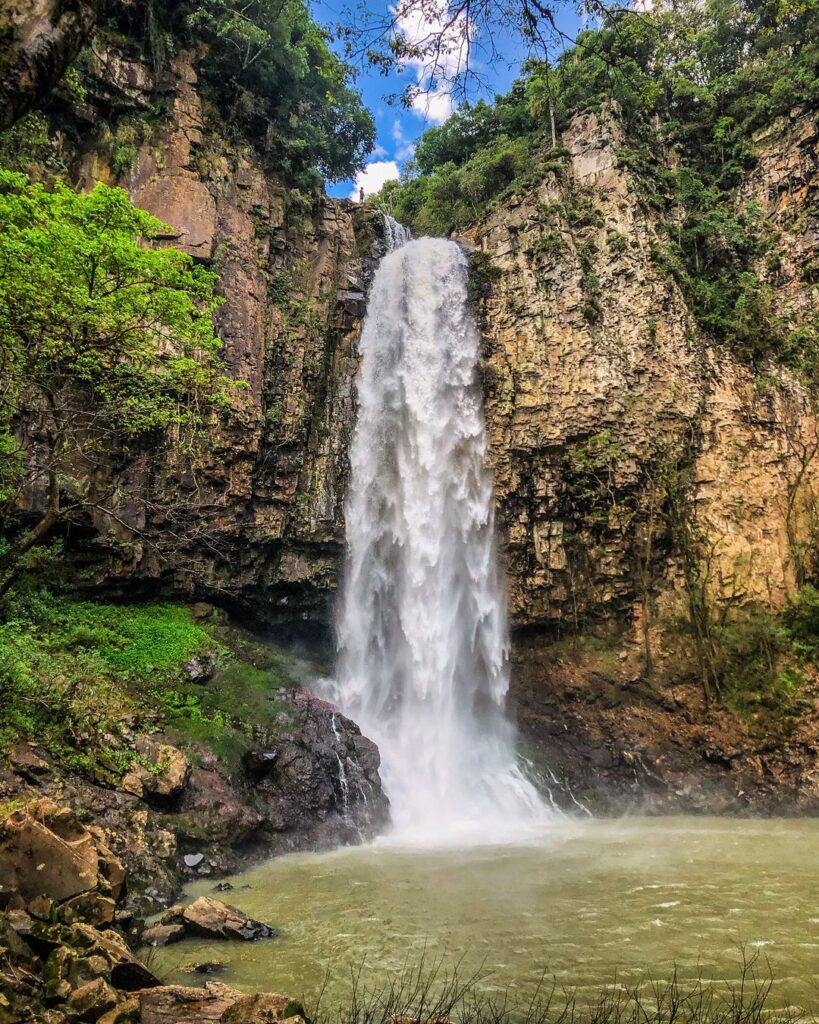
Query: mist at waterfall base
x,y
422,631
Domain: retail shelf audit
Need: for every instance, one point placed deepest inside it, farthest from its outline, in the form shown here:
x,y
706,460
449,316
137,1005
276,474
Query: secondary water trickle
x,y
422,626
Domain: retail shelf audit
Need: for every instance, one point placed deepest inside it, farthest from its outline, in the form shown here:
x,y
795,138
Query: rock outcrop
x,y
313,785
591,357
38,41
598,382
84,971
261,520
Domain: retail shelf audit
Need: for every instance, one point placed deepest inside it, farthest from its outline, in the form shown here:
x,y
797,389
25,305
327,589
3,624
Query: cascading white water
x,y
422,624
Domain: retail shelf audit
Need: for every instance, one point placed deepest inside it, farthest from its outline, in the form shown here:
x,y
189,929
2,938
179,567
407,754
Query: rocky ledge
x,y
182,814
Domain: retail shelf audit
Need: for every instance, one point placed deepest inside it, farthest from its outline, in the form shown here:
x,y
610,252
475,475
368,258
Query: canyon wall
x,y
599,387
636,463
258,519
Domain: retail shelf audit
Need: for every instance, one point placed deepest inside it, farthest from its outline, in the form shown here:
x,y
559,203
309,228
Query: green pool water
x,y
585,902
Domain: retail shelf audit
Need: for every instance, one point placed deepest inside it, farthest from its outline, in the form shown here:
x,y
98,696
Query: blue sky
x,y
398,127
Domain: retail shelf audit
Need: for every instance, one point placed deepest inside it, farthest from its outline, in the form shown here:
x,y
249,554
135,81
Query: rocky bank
x,y
63,955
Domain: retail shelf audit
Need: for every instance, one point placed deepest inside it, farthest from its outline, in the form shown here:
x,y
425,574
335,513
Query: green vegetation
x,y
71,671
270,77
761,660
107,343
693,79
77,675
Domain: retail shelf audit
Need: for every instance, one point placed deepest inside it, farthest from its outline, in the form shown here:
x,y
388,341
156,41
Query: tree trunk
x,y
36,535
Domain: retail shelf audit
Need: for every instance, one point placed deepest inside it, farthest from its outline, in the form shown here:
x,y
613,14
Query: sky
x,y
399,127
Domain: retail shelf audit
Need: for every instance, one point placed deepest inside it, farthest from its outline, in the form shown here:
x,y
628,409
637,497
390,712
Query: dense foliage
x,y
74,674
697,79
104,338
268,70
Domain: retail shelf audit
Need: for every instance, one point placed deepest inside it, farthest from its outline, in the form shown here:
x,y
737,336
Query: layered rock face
x,y
258,517
643,477
600,388
620,438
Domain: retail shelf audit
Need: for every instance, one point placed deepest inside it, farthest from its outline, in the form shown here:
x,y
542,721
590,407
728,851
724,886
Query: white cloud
x,y
373,177
421,26
404,148
434,105
378,152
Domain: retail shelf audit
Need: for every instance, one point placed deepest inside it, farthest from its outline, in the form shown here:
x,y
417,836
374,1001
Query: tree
x,y
105,342
449,42
271,68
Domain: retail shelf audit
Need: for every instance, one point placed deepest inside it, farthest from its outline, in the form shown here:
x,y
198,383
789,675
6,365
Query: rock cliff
x,y
638,467
598,382
260,522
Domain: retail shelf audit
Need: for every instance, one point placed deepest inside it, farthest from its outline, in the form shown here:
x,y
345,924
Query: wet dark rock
x,y
258,763
210,967
201,668
324,787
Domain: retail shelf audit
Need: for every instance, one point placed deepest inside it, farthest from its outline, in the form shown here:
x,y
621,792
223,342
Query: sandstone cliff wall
x,y
601,391
260,520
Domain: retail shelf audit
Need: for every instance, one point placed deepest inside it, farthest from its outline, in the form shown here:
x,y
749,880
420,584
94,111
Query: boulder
x,y
41,907
167,776
125,1013
11,943
179,1004
127,972
47,853
216,920
112,870
200,668
163,934
26,763
90,907
212,807
47,858
90,1001
264,1007
57,985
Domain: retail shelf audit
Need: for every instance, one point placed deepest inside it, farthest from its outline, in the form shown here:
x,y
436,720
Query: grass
x,y
423,995
235,711
80,677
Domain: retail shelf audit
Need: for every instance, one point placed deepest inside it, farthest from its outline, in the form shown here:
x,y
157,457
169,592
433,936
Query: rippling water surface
x,y
584,903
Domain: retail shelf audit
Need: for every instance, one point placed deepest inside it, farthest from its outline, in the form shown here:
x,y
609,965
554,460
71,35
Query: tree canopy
x,y
696,78
270,70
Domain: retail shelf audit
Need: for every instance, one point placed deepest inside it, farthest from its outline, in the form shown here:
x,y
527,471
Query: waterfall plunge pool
x,y
589,903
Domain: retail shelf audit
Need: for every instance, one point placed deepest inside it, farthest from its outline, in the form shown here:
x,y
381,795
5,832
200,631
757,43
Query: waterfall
x,y
395,234
422,627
